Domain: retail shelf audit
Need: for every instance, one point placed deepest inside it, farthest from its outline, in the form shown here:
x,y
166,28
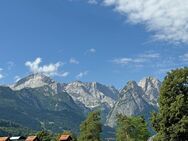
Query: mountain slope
x,y
136,99
37,101
8,128
93,96
86,95
38,108
38,80
130,103
151,87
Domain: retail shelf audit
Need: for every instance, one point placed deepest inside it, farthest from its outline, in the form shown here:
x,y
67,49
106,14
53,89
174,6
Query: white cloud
x,y
137,60
64,74
92,2
73,61
122,61
164,70
49,69
184,57
92,50
1,76
81,74
167,19
150,55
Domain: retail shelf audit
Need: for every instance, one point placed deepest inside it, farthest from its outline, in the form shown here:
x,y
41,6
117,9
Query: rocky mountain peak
x,y
33,81
136,99
151,87
92,94
131,86
76,83
95,84
149,82
130,102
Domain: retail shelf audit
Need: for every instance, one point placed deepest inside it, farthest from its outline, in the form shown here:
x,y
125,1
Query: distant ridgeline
x,y
37,102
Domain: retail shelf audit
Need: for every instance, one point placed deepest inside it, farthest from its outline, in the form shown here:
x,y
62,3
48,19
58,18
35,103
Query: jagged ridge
x,y
133,99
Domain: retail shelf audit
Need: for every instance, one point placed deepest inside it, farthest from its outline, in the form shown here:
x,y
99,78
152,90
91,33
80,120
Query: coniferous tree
x,y
91,128
45,135
171,123
131,129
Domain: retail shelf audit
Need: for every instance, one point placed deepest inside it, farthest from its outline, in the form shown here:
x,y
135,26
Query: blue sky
x,y
91,40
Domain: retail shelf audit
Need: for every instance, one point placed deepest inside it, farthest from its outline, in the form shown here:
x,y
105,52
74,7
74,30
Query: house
x,y
65,138
32,138
18,138
4,139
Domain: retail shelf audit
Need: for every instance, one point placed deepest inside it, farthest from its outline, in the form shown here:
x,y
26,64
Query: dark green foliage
x,y
8,128
91,128
171,122
46,136
131,129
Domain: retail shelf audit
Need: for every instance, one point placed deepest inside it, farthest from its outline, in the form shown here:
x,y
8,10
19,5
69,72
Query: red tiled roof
x,y
4,138
31,138
64,137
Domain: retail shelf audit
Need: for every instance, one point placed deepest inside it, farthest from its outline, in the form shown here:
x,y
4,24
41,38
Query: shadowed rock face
x,y
136,100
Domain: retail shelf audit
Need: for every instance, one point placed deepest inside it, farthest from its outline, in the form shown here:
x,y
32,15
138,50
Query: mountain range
x,y
38,102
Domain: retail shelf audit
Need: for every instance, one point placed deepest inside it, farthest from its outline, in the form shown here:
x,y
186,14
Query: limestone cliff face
x,y
93,95
38,80
136,99
151,87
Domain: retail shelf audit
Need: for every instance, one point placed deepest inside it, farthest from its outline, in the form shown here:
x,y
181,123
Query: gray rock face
x,y
33,81
151,87
38,80
130,103
136,99
93,94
